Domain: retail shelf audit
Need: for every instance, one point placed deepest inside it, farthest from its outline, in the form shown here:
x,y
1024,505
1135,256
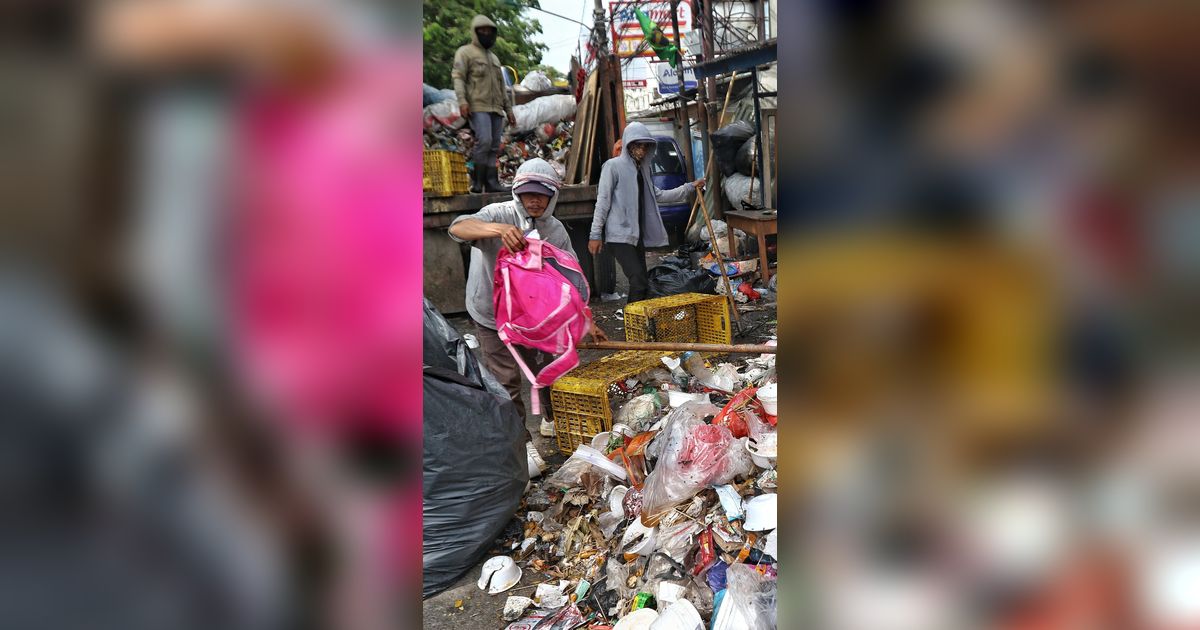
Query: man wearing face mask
x,y
482,100
626,216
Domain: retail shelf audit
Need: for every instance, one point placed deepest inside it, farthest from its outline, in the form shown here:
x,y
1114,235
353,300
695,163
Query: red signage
x,y
627,32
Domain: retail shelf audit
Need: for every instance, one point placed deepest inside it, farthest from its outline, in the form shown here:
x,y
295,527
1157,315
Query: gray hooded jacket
x,y
616,218
484,251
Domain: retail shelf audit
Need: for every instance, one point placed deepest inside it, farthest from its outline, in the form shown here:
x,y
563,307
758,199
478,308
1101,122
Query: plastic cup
x,y
768,395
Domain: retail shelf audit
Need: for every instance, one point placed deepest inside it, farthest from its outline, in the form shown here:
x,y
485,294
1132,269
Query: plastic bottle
x,y
694,364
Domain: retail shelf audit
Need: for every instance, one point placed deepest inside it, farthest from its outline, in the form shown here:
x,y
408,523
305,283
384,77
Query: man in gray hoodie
x,y
626,216
506,224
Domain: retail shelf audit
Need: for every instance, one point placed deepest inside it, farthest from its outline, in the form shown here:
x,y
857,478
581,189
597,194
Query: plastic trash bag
x,y
537,81
726,141
740,465
746,159
445,113
719,227
475,459
666,280
551,109
737,189
688,412
694,454
748,602
638,411
584,459
431,95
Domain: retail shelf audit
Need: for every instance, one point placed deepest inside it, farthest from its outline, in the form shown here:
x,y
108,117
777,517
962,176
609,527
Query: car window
x,y
666,160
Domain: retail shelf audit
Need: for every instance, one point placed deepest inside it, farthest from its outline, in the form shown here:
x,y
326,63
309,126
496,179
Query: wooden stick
x,y
667,346
750,199
737,319
709,161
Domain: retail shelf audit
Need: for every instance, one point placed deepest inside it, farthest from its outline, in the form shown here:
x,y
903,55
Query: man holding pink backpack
x,y
506,225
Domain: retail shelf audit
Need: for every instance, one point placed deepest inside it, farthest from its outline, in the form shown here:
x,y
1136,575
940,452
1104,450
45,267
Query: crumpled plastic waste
x,y
695,454
652,518
748,602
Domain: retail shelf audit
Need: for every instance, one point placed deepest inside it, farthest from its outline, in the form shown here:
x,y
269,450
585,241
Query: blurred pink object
x,y
326,260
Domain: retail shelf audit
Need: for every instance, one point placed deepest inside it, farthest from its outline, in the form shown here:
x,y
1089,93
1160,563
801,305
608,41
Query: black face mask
x,y
487,37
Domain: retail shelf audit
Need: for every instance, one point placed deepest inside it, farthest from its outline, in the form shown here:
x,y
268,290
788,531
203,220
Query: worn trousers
x,y
500,362
632,259
488,128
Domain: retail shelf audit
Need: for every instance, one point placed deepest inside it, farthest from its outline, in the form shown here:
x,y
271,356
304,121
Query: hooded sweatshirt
x,y
484,251
478,80
616,218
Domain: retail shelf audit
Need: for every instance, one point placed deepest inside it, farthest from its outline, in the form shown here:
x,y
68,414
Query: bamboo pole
x,y
737,319
667,346
708,162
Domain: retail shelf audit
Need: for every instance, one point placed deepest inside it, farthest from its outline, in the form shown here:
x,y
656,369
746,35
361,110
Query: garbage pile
x,y
696,268
543,130
735,150
666,521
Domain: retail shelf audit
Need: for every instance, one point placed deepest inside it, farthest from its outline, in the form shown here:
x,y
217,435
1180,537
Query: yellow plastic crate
x,y
445,173
580,399
683,318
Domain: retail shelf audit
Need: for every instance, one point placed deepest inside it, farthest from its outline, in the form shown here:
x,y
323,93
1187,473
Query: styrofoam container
x,y
616,499
762,513
624,429
636,530
601,440
768,395
499,574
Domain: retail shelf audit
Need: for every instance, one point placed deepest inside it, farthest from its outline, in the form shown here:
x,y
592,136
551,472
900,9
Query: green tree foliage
x,y
447,26
550,71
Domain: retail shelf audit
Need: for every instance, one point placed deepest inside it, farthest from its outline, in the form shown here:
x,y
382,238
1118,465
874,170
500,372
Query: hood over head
x,y
478,22
541,171
637,132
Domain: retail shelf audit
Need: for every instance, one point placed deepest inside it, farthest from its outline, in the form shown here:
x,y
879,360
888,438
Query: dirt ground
x,y
463,605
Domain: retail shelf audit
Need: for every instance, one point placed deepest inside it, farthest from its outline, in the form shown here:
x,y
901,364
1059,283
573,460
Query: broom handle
x,y
737,319
709,161
665,346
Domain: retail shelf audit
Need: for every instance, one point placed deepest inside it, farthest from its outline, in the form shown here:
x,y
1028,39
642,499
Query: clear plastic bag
x,y
749,601
639,411
694,454
740,463
584,458
676,422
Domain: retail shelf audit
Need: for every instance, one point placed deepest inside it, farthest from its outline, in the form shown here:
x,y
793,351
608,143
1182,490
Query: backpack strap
x,y
566,362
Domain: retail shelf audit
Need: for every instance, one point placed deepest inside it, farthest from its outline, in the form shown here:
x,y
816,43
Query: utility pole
x,y
760,19
682,100
714,123
599,25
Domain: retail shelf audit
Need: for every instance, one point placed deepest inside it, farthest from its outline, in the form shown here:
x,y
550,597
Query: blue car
x,y
668,171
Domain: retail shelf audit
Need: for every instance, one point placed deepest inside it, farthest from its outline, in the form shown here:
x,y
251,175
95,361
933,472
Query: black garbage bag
x,y
747,156
726,141
475,467
666,280
678,262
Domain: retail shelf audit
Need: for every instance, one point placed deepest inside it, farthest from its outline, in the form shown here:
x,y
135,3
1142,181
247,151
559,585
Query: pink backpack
x,y
541,300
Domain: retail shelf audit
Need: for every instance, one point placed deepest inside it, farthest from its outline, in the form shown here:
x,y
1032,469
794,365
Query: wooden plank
x,y
576,138
590,145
